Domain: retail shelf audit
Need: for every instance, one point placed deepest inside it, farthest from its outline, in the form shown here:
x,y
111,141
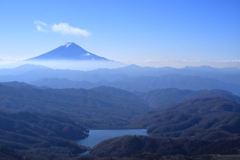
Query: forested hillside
x,y
43,122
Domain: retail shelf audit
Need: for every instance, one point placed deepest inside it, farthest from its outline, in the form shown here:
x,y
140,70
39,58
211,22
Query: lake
x,y
96,136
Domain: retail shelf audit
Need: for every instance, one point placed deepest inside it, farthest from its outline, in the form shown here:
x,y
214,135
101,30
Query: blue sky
x,y
155,33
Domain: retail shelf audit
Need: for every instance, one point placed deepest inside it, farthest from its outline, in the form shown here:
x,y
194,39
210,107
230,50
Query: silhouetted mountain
x,y
133,78
202,71
231,75
147,83
62,83
193,118
163,97
46,73
102,108
68,51
17,84
136,71
20,69
212,69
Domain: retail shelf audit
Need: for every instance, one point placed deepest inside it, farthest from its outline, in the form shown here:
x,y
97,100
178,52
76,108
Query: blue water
x,y
96,136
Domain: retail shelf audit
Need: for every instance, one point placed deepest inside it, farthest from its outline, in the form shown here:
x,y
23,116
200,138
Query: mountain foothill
x,y
189,113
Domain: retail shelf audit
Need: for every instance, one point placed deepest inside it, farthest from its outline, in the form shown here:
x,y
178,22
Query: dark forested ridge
x,y
119,93
31,131
164,97
209,118
130,146
92,105
40,124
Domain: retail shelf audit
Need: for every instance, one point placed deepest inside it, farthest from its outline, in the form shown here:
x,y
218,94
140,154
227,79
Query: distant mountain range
x,y
130,78
144,83
68,51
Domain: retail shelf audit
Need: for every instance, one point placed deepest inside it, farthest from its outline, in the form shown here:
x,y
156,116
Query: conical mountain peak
x,y
68,51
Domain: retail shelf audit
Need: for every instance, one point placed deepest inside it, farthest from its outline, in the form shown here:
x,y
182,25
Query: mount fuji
x,y
68,52
72,56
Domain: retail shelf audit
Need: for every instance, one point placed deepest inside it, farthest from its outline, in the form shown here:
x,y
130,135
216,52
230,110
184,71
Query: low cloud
x,y
62,28
10,59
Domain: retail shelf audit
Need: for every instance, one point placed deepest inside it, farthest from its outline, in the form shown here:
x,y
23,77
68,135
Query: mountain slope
x,y
164,97
141,146
102,108
39,124
63,83
119,93
208,118
37,131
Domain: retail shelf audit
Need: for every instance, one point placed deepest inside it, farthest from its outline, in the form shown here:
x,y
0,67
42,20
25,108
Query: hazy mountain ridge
x,y
63,83
131,78
231,75
17,84
224,74
20,69
146,83
74,75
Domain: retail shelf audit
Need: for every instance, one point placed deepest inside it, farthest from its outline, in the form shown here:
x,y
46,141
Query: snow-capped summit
x,y
67,44
68,51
